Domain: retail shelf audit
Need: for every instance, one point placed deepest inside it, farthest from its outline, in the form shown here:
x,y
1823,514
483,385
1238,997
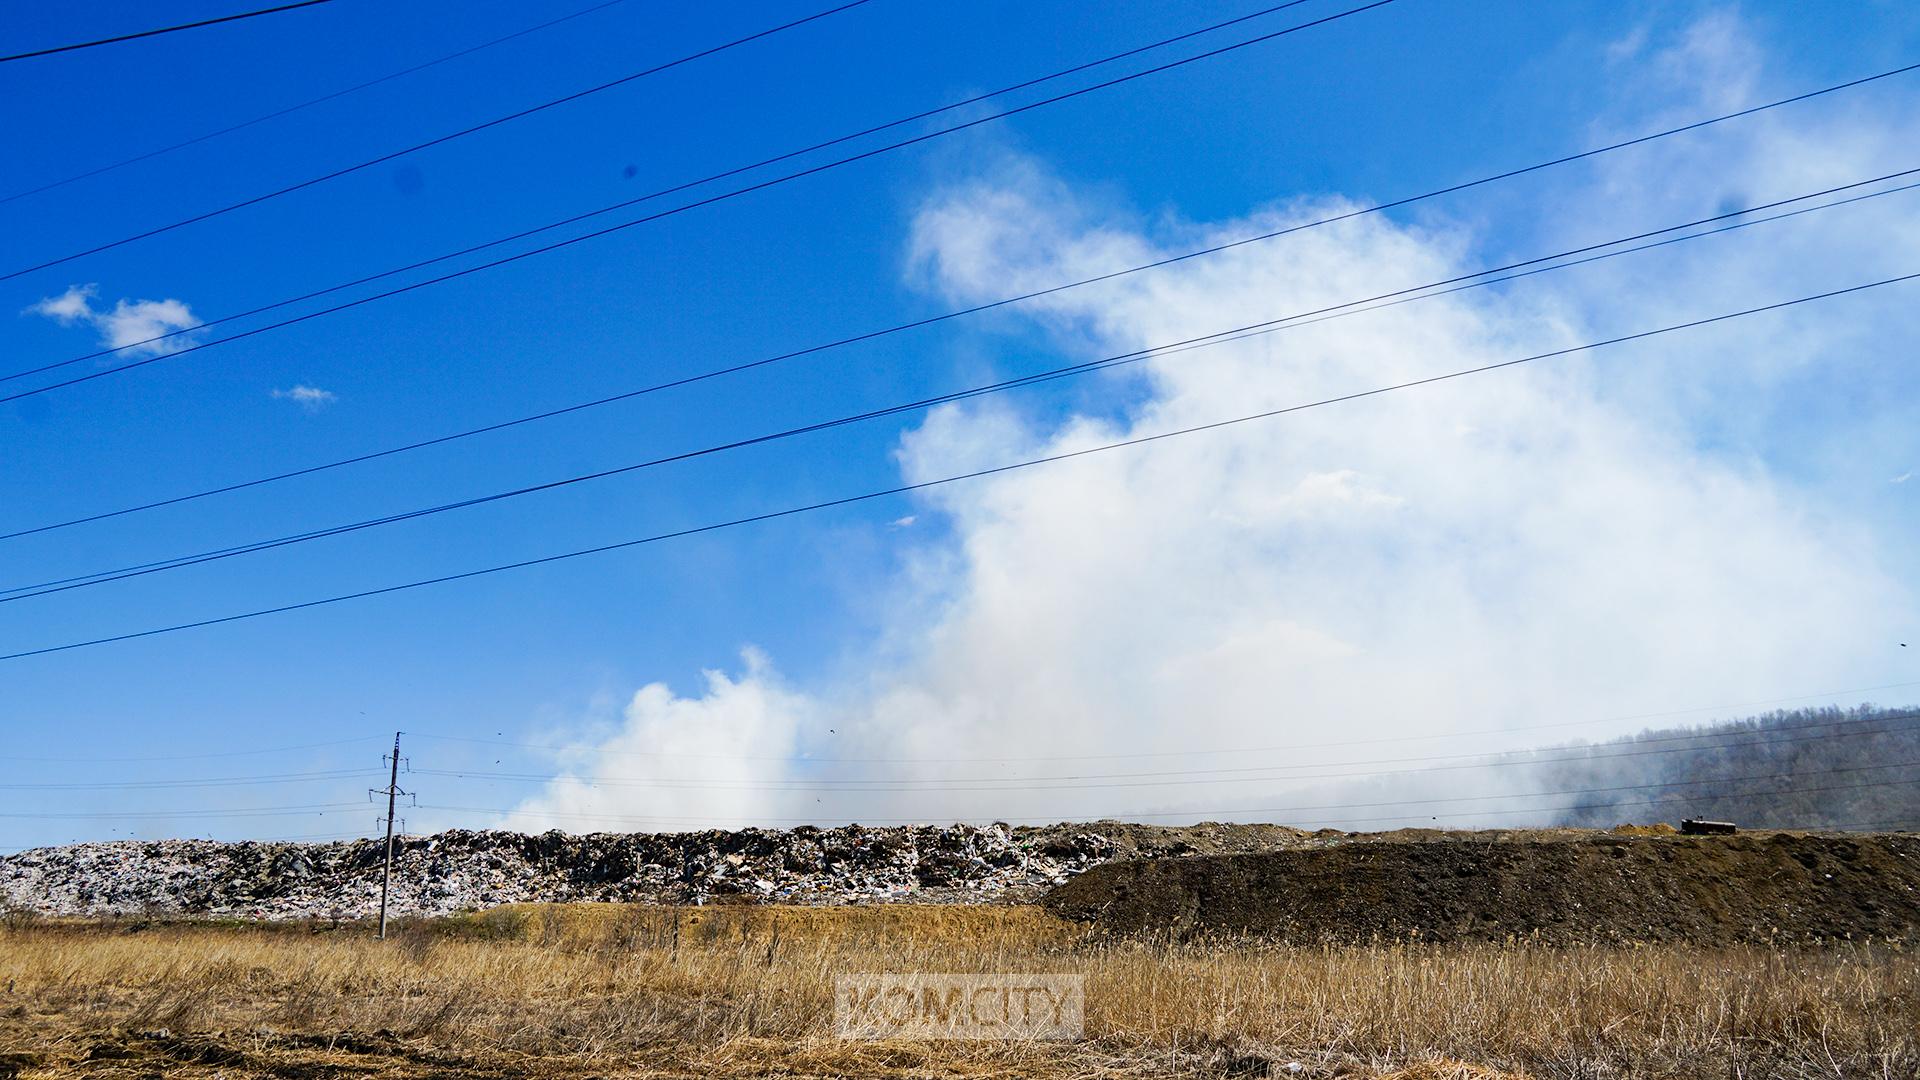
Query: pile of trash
x,y
462,870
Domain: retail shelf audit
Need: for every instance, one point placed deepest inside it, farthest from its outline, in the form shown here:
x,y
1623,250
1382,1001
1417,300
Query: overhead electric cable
x,y
264,811
307,104
601,752
308,470
486,245
744,168
1415,292
680,209
1443,799
4,758
162,30
1375,208
301,838
1078,782
437,141
923,485
204,782
1702,800
305,837
1132,814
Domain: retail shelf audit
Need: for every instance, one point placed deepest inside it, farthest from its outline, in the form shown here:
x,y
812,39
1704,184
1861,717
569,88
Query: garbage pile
x,y
461,870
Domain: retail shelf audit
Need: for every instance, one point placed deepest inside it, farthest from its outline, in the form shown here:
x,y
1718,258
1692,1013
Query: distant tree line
x,y
1789,769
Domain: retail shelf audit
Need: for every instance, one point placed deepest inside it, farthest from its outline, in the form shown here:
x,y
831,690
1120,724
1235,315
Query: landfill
x,y
464,870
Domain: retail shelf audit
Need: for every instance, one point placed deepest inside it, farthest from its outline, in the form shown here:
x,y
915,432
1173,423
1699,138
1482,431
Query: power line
x,y
1577,754
198,812
319,808
1350,307
680,209
599,752
215,781
902,489
1131,814
162,30
191,757
308,836
302,837
1074,782
1709,799
307,104
1237,750
1732,738
1407,802
1511,758
1361,212
451,136
663,192
1870,824
501,425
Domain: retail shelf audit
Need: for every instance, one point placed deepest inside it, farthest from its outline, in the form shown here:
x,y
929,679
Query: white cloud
x,y
310,398
713,747
130,324
1521,548
69,307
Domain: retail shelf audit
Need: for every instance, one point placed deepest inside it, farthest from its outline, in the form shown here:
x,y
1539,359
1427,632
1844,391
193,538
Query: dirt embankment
x,y
1556,888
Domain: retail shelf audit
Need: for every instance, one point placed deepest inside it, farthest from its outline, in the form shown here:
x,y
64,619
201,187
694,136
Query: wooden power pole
x,y
393,793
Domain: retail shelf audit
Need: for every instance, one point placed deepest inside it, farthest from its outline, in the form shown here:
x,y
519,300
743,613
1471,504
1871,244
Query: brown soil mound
x,y
1556,888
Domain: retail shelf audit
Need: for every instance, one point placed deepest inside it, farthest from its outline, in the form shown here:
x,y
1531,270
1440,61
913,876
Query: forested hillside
x,y
1804,768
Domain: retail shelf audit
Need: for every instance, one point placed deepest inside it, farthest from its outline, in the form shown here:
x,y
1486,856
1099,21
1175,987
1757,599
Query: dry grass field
x,y
609,990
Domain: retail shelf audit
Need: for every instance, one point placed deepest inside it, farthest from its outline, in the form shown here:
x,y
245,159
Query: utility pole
x,y
393,792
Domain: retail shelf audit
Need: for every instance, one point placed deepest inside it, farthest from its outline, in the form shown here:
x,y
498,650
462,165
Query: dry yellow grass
x,y
639,991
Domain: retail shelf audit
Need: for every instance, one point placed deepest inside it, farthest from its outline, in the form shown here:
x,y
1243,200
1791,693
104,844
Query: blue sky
x,y
1809,418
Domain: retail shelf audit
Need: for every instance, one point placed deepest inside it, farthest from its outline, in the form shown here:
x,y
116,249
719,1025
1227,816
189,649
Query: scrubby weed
x,y
627,990
17,916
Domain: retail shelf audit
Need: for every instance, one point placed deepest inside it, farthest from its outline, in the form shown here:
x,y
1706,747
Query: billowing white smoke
x,y
1516,549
